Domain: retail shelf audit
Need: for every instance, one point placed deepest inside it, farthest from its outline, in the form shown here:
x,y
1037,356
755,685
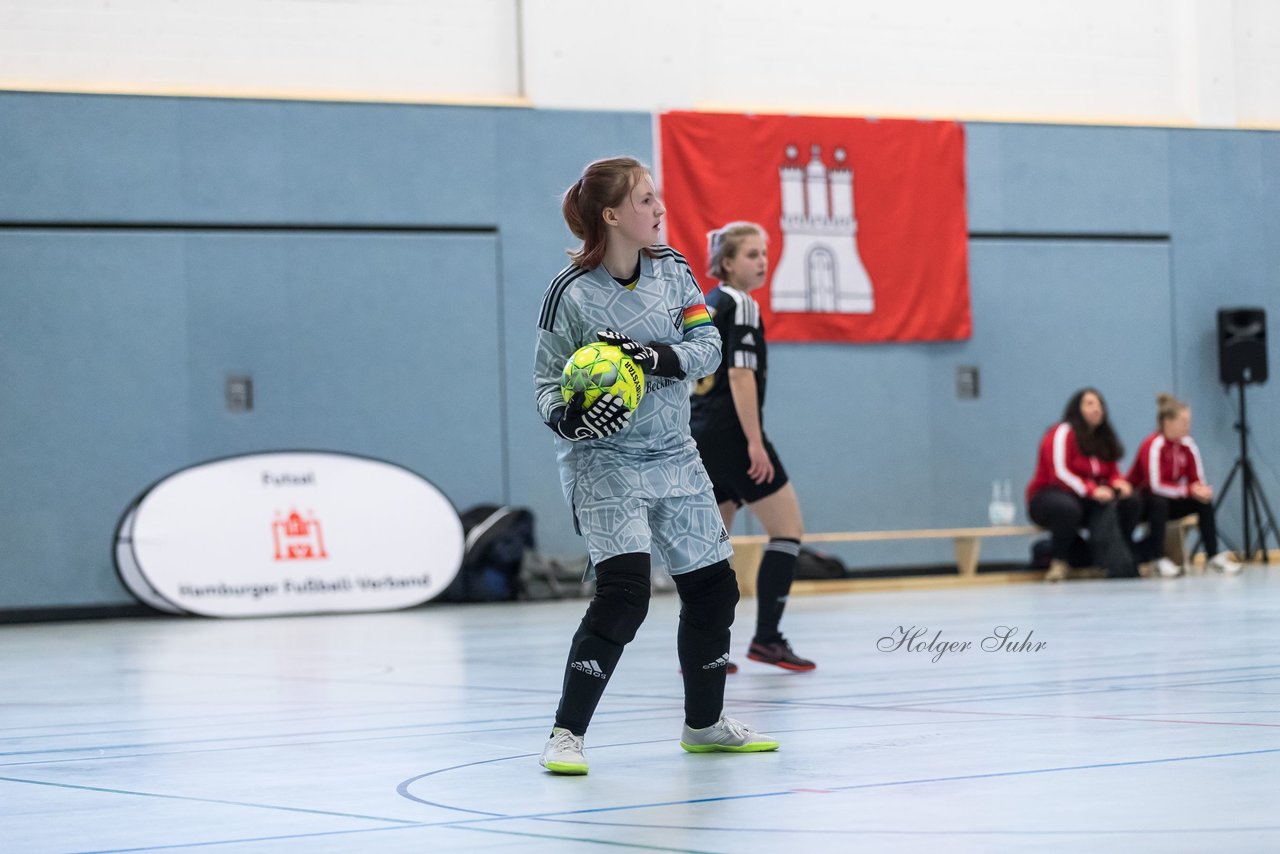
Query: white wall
x,y
392,50
1182,62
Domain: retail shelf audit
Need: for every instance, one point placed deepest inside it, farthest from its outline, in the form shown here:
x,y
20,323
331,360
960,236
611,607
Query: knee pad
x,y
622,598
708,597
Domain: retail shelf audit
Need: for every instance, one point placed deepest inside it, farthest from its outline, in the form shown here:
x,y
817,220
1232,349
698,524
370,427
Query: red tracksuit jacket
x,y
1167,468
1061,465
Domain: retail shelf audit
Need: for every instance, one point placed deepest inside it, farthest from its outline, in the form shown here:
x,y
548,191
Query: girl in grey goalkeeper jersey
x,y
633,480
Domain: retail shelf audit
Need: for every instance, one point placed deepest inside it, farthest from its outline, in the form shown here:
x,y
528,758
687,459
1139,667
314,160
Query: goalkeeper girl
x,y
728,425
633,480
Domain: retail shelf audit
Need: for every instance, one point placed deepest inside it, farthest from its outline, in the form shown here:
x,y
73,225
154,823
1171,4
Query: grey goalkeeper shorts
x,y
681,532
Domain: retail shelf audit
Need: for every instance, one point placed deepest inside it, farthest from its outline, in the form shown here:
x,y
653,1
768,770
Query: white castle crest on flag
x,y
820,270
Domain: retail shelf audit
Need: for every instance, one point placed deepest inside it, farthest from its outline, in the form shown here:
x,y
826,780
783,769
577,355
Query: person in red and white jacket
x,y
1077,483
1168,475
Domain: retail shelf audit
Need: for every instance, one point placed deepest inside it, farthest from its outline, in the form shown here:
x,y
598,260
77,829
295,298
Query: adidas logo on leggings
x,y
590,667
719,662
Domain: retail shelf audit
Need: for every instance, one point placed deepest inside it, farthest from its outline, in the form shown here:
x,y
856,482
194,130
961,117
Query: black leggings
x,y
1159,510
1110,527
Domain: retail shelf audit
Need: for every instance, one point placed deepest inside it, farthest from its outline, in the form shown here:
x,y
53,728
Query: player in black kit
x,y
727,420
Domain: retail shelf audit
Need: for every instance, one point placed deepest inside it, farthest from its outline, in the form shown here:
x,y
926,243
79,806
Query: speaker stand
x,y
1257,509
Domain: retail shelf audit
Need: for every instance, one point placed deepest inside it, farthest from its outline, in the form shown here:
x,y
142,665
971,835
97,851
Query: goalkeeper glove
x,y
608,415
659,360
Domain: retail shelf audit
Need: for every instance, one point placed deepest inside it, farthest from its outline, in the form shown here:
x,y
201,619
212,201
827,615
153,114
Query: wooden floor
x,y
1147,721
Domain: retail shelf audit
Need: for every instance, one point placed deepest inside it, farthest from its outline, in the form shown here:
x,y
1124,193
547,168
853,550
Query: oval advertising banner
x,y
290,532
128,570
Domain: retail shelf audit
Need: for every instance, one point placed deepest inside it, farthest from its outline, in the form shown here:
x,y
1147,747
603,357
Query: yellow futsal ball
x,y
599,368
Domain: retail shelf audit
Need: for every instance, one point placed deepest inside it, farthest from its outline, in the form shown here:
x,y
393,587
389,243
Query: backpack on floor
x,y
1079,556
543,577
496,540
812,564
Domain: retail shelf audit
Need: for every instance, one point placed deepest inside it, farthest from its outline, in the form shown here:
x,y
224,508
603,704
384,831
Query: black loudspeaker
x,y
1242,345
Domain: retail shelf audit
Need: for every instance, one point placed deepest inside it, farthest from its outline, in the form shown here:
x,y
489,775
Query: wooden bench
x,y
747,549
1175,538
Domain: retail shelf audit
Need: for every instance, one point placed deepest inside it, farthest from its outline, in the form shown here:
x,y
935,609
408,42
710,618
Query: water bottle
x,y
1010,508
1002,510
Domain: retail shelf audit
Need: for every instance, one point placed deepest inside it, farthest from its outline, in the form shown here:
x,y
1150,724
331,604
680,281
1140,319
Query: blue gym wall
x,y
378,269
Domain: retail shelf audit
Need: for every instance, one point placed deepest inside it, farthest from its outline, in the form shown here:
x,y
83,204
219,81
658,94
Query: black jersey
x,y
736,316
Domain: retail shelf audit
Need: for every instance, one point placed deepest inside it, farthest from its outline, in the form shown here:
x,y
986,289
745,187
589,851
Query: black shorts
x,y
725,458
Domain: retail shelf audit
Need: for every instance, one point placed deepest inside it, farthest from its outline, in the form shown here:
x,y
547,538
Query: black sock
x,y
707,597
703,688
616,611
592,660
773,585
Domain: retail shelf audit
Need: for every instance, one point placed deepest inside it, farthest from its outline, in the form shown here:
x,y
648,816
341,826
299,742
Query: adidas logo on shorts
x,y
719,662
724,535
591,668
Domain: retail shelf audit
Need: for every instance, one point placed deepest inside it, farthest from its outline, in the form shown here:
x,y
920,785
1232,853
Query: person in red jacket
x,y
1169,477
1077,483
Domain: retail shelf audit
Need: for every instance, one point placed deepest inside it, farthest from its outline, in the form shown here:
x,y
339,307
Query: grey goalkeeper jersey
x,y
654,456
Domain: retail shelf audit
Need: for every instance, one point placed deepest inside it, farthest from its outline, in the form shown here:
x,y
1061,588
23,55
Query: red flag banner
x,y
866,219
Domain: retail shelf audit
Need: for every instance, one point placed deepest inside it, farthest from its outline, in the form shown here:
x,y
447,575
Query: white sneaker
x,y
1222,562
563,753
726,736
1167,568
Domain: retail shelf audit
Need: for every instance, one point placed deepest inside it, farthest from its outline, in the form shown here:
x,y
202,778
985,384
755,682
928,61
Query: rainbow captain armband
x,y
695,316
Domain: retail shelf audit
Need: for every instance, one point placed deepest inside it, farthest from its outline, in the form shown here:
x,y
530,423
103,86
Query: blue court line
x,y
710,829
1132,831
422,730
941,708
1159,674
906,705
243,738
241,841
636,845
1137,717
207,800
1127,763
403,787
271,715
562,816
816,702
920,781
546,718
160,724
857,701
1052,683
281,746
431,826
1101,689
280,837
285,745
262,716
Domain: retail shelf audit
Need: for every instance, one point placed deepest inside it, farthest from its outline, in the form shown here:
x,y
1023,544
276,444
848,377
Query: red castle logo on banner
x,y
297,538
868,237
819,268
